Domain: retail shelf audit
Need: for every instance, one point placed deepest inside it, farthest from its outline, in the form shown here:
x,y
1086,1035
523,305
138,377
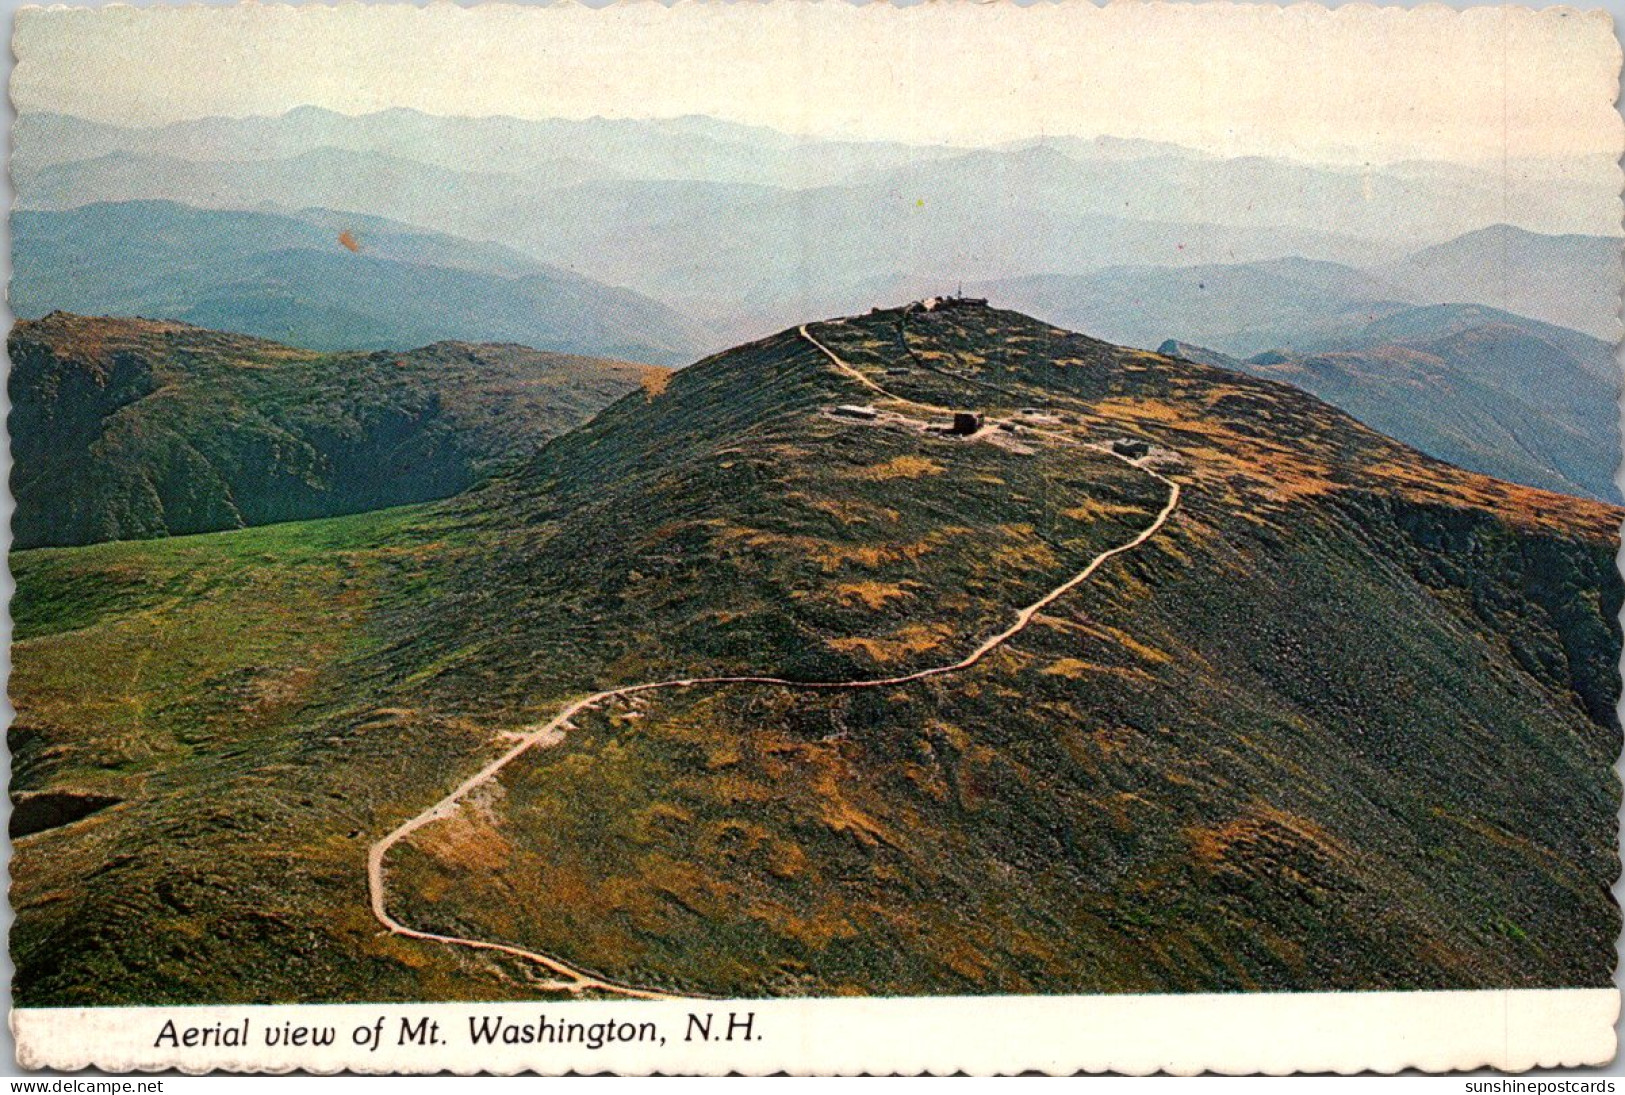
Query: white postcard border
x,y
1512,1030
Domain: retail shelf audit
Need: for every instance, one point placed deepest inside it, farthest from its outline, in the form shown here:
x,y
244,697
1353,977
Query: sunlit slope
x,y
737,522
1313,735
1344,721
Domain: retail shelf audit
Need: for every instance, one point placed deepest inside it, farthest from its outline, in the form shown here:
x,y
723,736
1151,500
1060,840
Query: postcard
x,y
810,537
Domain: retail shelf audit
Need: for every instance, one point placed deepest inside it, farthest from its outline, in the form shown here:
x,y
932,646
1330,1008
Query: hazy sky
x,y
1347,84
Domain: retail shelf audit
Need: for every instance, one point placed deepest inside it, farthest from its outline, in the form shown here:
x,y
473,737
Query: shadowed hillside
x,y
1345,721
128,428
1488,390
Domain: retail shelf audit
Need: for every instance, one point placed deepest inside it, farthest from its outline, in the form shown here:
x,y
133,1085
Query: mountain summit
x,y
1229,759
935,650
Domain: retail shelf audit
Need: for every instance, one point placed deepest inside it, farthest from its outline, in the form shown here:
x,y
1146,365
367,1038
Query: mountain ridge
x,y
131,428
1504,395
1308,482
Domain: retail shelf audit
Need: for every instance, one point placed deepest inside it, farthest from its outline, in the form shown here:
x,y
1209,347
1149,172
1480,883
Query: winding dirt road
x,y
573,979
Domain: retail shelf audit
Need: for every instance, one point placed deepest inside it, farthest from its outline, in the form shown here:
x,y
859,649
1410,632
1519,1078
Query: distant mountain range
x,y
127,429
1239,308
1375,202
745,229
325,281
1245,308
1570,280
694,147
1490,390
717,248
1484,389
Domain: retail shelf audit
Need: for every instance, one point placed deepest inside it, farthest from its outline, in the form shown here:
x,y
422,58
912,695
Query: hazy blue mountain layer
x,y
748,229
1572,280
325,281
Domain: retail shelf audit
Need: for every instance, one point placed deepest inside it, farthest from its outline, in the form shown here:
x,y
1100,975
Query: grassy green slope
x,y
215,689
126,429
1345,722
